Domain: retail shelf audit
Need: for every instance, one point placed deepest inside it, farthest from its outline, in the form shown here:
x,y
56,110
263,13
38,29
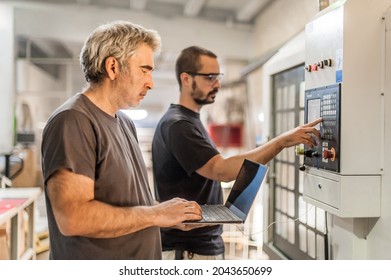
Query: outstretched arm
x,y
225,170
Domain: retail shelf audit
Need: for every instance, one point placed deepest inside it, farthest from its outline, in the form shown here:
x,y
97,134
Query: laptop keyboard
x,y
212,213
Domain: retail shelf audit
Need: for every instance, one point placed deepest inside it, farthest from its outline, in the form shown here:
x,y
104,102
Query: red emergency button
x,y
329,154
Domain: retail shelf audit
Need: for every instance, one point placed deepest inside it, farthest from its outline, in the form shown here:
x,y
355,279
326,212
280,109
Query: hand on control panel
x,y
303,134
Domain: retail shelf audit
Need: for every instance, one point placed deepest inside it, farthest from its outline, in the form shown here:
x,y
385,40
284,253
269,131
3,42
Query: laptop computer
x,y
240,199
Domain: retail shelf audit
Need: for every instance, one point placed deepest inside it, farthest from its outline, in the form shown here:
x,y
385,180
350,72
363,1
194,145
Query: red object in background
x,y
9,203
226,135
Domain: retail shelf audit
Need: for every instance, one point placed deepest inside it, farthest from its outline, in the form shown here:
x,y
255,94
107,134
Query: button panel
x,y
324,102
322,64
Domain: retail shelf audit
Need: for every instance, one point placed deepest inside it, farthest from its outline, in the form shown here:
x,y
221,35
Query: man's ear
x,y
185,78
112,68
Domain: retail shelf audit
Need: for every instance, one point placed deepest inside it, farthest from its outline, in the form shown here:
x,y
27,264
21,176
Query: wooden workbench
x,y
13,203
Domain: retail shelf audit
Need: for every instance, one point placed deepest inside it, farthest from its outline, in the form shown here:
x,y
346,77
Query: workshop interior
x,y
285,63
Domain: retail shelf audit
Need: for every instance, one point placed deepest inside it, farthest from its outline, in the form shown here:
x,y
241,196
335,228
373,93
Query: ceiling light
x,y
136,115
261,117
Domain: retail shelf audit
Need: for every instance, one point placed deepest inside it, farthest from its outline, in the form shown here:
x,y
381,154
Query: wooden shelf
x,y
15,215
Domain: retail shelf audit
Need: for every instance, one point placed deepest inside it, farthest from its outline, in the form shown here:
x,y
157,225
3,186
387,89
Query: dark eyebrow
x,y
148,67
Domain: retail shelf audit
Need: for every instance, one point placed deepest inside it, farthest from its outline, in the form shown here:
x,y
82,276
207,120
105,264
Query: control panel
x,y
344,85
324,102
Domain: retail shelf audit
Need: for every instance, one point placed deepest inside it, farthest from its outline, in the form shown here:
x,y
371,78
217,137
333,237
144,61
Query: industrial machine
x,y
345,83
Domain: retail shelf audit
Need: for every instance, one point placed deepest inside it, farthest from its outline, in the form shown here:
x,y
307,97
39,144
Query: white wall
x,y
283,20
379,237
7,75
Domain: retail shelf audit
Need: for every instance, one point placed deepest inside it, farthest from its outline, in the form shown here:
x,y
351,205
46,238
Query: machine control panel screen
x,y
324,102
314,110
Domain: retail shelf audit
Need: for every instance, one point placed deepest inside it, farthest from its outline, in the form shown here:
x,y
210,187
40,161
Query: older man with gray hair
x,y
98,199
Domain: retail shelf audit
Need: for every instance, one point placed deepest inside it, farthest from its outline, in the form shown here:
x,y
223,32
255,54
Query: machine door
x,y
298,232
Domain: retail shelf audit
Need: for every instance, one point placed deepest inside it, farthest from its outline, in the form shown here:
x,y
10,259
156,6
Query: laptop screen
x,y
246,187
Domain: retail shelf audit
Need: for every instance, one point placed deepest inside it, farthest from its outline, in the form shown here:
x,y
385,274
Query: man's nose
x,y
150,84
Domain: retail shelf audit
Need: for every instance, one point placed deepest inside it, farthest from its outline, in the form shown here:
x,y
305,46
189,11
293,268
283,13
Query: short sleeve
x,y
191,147
69,142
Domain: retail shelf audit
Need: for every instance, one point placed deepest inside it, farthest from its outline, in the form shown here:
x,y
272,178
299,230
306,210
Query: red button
x,y
329,154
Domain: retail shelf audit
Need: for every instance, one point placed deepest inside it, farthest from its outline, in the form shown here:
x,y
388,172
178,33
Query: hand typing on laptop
x,y
240,199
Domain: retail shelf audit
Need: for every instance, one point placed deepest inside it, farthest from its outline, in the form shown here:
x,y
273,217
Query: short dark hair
x,y
189,61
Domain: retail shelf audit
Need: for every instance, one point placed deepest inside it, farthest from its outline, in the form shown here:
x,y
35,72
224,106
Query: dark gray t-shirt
x,y
82,138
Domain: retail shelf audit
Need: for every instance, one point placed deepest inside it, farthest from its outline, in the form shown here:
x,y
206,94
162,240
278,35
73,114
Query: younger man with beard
x,y
186,162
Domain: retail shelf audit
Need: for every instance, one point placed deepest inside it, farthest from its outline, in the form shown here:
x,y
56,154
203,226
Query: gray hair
x,y
117,39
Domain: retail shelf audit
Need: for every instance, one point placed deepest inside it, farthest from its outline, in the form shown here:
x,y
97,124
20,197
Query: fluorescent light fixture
x,y
136,115
261,117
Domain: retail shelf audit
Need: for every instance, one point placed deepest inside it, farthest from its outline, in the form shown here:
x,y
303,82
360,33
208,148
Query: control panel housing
x,y
344,84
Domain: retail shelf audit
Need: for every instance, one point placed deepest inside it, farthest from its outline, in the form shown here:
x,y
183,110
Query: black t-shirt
x,y
180,146
82,138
